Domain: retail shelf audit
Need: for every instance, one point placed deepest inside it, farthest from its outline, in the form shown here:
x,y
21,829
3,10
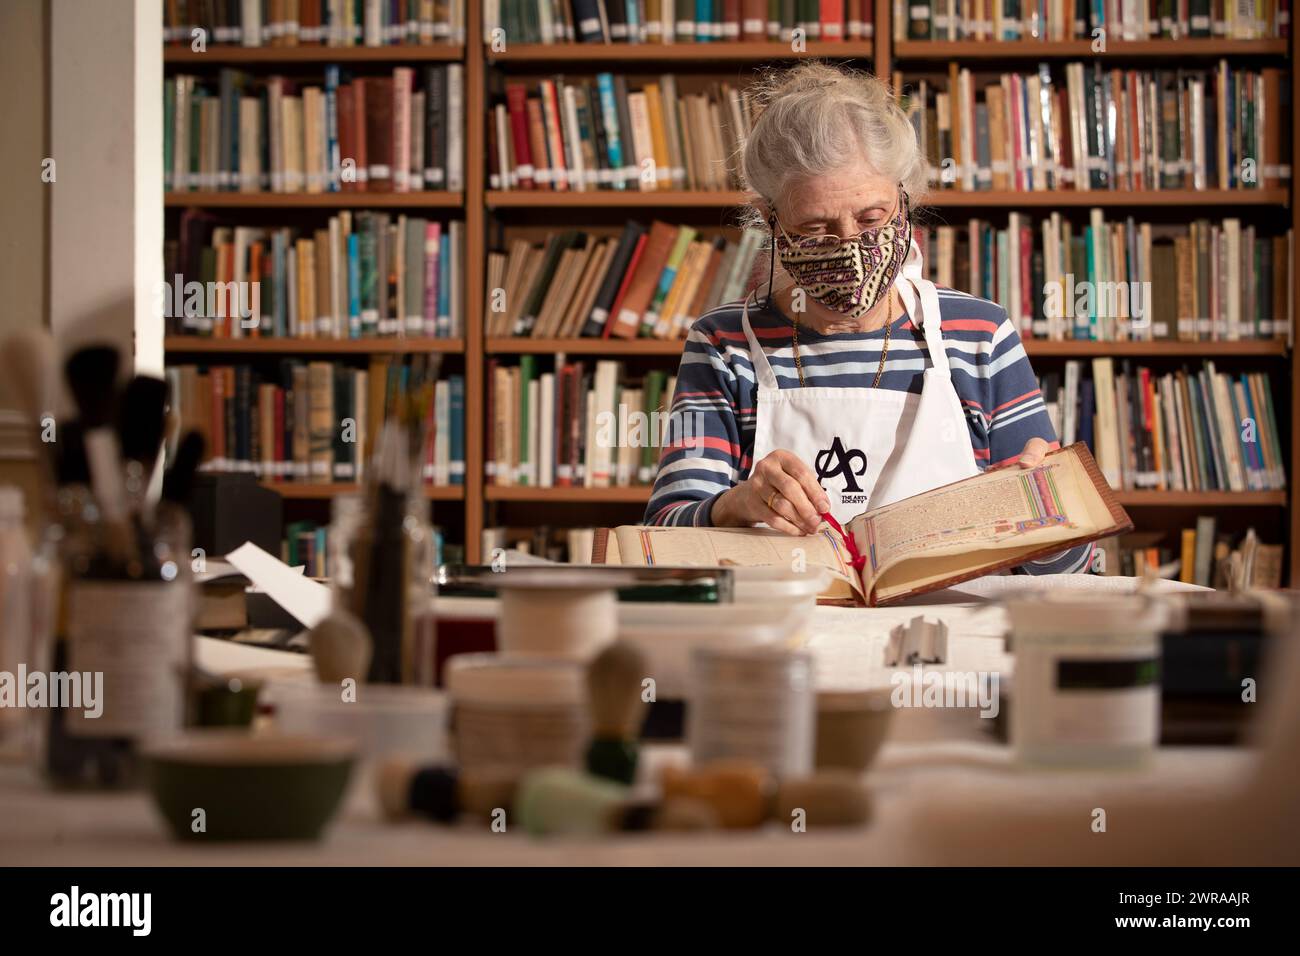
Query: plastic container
x,y
669,633
753,703
514,714
384,719
1086,684
776,585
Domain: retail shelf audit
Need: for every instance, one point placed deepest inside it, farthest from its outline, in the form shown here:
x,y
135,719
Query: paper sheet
x,y
305,599
228,657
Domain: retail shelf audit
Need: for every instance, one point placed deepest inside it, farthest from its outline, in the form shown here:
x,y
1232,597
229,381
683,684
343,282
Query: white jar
x,y
1086,685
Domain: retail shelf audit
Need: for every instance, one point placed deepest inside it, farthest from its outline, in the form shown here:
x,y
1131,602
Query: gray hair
x,y
815,118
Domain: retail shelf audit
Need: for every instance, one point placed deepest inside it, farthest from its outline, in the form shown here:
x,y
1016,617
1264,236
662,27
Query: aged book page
x,y
945,532
747,547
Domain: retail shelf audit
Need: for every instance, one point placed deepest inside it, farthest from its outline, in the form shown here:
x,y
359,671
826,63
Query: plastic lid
x,y
11,503
493,679
1074,614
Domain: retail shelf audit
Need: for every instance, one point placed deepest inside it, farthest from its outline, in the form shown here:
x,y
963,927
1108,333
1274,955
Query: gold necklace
x,y
798,364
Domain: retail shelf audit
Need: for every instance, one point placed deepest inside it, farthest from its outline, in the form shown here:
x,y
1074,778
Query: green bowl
x,y
248,786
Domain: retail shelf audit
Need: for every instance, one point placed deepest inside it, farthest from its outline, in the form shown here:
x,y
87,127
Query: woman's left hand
x,y
1032,456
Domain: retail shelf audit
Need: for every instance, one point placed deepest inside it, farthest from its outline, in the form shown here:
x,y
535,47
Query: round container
x,y
249,786
667,634
541,622
755,703
851,727
777,585
515,714
385,720
1086,685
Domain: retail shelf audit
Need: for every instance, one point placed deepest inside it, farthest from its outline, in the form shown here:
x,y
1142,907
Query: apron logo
x,y
844,459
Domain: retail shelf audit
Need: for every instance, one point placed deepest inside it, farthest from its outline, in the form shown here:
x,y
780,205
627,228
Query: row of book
x,y
647,282
576,134
1116,280
1084,127
582,425
558,544
240,133
306,544
255,23
366,274
1189,430
1056,20
315,421
1200,555
676,21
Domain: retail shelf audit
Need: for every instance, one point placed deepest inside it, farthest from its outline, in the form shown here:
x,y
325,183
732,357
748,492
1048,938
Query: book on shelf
x,y
1078,126
306,544
676,21
1117,280
1199,555
363,274
340,23
987,523
647,282
315,422
244,133
1185,430
581,425
1012,20
561,545
583,134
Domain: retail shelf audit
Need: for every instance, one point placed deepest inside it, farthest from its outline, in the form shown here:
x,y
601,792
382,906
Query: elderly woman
x,y
852,381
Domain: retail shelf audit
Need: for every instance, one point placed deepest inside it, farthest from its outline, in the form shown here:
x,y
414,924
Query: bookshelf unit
x,y
490,214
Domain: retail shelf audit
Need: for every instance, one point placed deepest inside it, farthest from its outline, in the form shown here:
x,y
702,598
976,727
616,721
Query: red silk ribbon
x,y
858,561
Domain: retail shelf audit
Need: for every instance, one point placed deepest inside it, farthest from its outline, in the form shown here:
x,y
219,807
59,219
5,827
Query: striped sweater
x,y
716,391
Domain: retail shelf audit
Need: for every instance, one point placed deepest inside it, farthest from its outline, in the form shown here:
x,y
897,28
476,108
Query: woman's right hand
x,y
781,478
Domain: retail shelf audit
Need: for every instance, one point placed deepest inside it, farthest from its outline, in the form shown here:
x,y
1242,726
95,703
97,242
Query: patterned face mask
x,y
850,276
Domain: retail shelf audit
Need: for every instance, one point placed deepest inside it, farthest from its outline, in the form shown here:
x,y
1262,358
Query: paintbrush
x,y
141,424
91,374
617,711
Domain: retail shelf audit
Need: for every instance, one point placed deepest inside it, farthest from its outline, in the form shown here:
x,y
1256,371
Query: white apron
x,y
869,447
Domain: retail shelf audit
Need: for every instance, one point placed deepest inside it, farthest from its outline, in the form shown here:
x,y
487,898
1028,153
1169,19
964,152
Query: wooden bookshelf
x,y
1201,499
431,199
694,54
911,51
225,55
1079,349
635,494
936,199
303,491
606,198
482,209
593,346
198,345
1108,198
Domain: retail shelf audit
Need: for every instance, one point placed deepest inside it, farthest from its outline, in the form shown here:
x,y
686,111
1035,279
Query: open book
x,y
987,523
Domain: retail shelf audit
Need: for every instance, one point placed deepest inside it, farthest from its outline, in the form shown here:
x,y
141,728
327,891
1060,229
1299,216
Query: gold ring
x,y
770,498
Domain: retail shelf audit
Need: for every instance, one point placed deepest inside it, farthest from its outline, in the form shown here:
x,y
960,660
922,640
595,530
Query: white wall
x,y
106,213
